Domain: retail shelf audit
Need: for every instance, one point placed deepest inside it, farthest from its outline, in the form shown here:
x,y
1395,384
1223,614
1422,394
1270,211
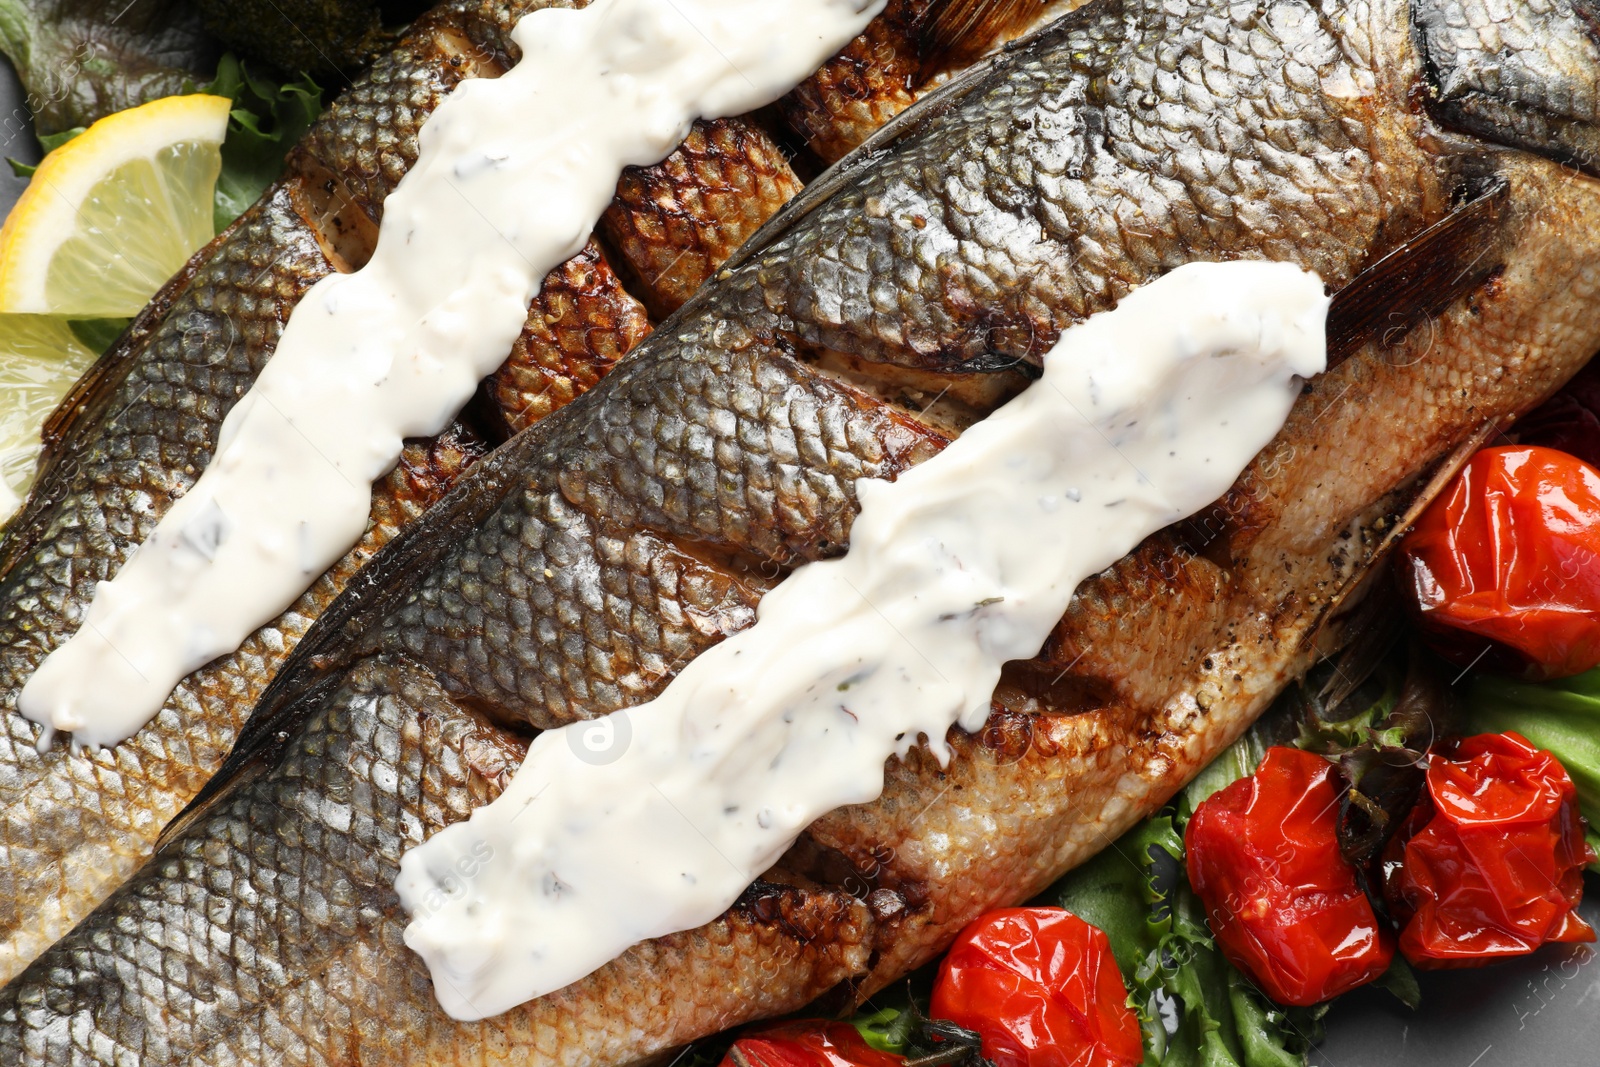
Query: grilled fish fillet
x,y
138,431
573,570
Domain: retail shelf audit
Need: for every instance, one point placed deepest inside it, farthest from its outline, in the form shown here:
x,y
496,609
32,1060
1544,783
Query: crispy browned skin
x,y
140,427
552,584
676,222
899,58
581,323
870,82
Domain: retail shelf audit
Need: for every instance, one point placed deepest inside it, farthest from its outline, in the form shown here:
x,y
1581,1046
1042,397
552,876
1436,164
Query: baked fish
x,y
1434,160
136,433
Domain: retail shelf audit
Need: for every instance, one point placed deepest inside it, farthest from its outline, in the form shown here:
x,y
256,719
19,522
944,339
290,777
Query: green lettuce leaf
x,y
1196,1008
268,118
49,142
98,334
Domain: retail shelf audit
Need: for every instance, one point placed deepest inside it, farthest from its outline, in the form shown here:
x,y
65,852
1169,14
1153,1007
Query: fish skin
x,y
1550,56
320,908
606,543
900,57
62,848
857,91
162,417
1003,821
76,824
368,136
581,323
1159,663
675,223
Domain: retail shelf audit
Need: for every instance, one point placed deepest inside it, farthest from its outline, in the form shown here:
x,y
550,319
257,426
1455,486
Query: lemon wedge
x,y
40,358
113,213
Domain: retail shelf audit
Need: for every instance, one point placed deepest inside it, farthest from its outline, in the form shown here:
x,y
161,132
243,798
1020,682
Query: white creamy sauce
x,y
655,819
513,175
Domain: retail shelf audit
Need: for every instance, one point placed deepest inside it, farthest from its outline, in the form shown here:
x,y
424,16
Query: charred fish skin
x,y
885,70
582,322
1152,670
675,223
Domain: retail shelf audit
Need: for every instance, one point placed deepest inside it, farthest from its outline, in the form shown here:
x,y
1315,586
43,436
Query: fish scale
x,y
266,908
948,263
900,57
580,324
620,614
854,93
538,623
1189,676
1160,662
740,447
77,824
130,450
368,136
165,413
675,223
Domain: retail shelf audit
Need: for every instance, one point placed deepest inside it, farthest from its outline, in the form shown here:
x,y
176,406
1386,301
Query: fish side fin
x,y
320,661
1424,276
1350,595
953,33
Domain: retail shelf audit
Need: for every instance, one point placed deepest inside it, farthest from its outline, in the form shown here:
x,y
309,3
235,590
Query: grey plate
x,y
1544,1010
16,136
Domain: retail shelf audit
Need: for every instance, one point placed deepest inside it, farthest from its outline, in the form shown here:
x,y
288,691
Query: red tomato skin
x,y
1042,988
1493,865
1283,904
807,1043
1508,558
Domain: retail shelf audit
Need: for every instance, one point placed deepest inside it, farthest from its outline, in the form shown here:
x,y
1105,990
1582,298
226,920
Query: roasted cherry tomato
x,y
1508,560
1493,861
1283,903
1041,987
807,1043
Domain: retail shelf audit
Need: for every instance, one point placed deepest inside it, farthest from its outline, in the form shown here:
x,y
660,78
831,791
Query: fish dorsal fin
x,y
952,33
1424,276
